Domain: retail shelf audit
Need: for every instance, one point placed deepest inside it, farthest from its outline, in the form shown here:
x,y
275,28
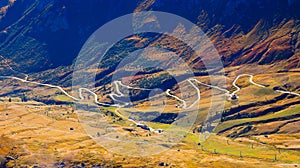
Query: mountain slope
x,y
39,35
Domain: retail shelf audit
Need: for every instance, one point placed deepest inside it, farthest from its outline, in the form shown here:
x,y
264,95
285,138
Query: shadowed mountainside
x,y
41,35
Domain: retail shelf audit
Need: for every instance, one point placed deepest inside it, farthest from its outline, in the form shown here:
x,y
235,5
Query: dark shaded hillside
x,y
40,35
245,13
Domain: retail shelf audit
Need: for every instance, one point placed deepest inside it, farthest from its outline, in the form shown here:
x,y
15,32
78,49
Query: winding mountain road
x,y
287,92
250,80
61,89
175,97
256,84
120,94
184,106
6,64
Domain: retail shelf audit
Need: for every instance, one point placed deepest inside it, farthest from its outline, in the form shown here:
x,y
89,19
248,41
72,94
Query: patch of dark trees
x,y
166,118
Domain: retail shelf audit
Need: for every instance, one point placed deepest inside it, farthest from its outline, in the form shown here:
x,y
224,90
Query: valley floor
x,y
41,135
258,129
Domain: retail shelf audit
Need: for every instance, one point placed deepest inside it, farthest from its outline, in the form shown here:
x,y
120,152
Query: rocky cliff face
x,y
41,35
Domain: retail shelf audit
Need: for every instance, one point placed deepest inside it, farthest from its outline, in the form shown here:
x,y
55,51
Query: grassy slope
x,y
284,113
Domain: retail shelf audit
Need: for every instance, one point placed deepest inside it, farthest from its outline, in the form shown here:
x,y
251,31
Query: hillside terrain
x,y
250,105
242,34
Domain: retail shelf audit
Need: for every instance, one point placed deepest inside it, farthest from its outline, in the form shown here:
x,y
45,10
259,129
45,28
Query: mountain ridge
x,y
54,31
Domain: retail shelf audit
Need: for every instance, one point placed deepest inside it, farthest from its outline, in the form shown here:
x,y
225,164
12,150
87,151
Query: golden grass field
x,y
38,139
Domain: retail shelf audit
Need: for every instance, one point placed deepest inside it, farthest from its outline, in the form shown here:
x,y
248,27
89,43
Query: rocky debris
x,y
36,167
163,164
97,166
60,164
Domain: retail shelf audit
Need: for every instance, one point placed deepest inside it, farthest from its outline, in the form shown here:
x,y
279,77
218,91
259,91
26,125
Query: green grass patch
x,y
235,148
156,125
63,98
110,108
283,113
191,138
264,91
